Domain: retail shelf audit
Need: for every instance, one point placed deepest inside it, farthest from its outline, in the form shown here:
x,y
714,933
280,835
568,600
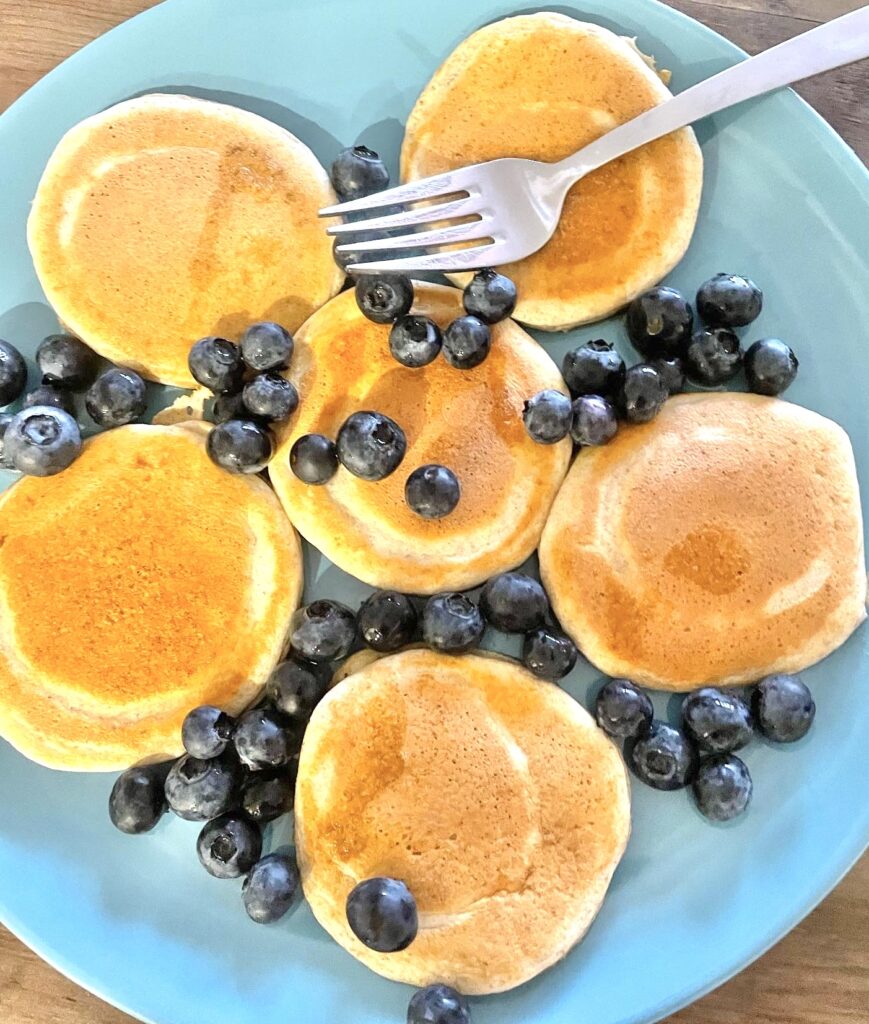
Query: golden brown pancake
x,y
470,421
543,86
139,583
718,544
166,218
493,795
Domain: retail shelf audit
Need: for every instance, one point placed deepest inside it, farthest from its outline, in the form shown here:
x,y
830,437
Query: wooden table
x,y
819,974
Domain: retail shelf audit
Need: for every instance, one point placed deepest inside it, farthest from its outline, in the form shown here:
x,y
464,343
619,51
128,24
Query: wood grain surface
x,y
819,974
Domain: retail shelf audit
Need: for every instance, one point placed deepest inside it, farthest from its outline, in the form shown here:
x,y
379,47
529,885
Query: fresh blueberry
x,y
229,846
314,459
240,446
5,420
323,631
514,602
116,397
267,796
594,420
382,914
490,296
138,798
467,341
51,396
295,689
266,346
673,372
548,653
432,491
783,708
13,373
415,340
452,623
547,416
719,721
643,394
357,172
271,888
228,406
663,758
713,356
594,369
387,620
216,364
206,731
200,790
348,257
623,710
728,300
262,739
41,441
384,298
659,322
370,445
438,1004
66,362
269,396
722,787
770,366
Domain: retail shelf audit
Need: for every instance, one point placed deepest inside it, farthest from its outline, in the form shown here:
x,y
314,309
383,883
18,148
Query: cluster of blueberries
x,y
44,437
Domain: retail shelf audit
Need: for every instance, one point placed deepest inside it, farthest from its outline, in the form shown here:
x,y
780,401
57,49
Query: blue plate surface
x,y
138,921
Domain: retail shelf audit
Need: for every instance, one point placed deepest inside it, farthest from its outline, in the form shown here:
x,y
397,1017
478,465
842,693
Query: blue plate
x,y
137,920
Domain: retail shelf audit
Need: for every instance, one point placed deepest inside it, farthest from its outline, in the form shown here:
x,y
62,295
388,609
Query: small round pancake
x,y
468,420
718,544
139,583
493,795
166,218
543,86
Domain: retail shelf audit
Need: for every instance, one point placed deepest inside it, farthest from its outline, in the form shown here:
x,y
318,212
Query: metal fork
x,y
517,203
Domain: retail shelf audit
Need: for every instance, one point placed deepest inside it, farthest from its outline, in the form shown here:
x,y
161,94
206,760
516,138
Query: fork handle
x,y
842,41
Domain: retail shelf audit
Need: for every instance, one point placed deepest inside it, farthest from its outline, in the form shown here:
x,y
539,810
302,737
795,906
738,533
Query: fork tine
x,y
414,191
457,260
474,231
418,215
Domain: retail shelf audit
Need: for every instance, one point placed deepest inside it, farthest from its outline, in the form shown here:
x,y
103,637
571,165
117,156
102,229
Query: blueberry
x,y
594,420
547,416
415,340
673,372
548,653
206,731
770,367
271,888
452,623
240,446
116,397
432,491
267,795
216,364
266,346
514,602
713,356
623,710
382,914
438,1004
722,787
262,739
489,296
13,373
643,394
718,721
467,341
269,396
783,708
200,790
228,406
66,362
5,420
45,394
229,846
663,758
138,798
314,459
358,171
728,300
41,441
370,445
659,322
295,690
323,631
387,620
594,369
384,298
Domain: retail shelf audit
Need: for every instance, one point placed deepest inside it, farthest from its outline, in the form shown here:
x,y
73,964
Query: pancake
x,y
718,544
165,219
139,583
468,420
543,86
493,795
